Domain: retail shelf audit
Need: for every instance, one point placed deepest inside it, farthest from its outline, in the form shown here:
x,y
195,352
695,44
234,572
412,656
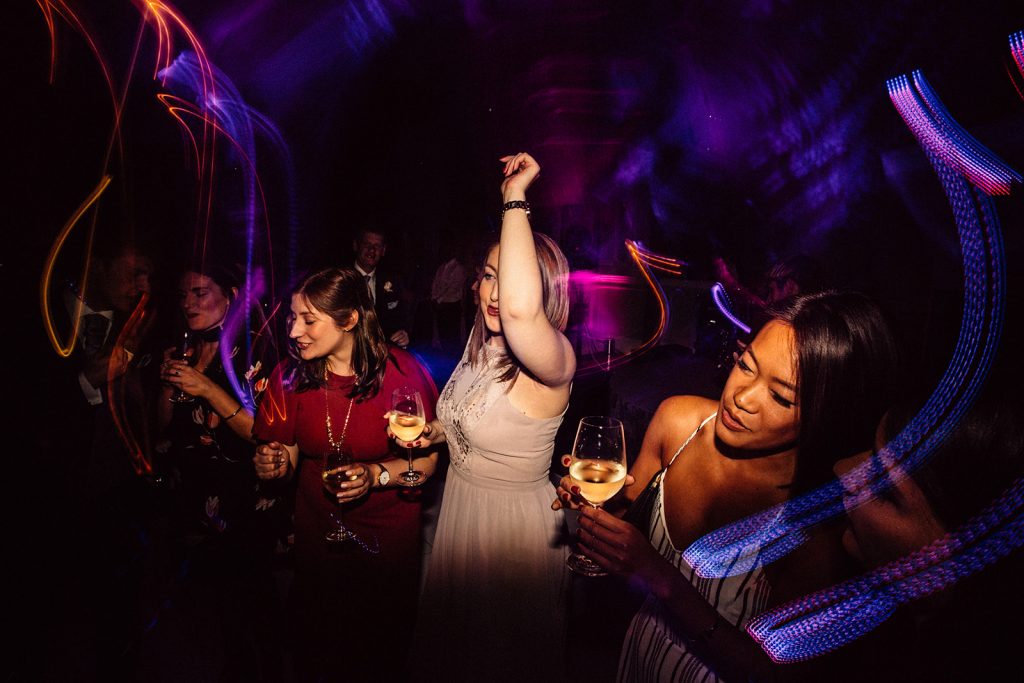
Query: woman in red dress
x,y
352,604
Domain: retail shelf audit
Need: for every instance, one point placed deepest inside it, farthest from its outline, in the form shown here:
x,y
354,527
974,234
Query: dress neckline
x,y
339,381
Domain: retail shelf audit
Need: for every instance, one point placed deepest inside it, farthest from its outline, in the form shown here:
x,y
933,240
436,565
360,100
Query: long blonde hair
x,y
554,280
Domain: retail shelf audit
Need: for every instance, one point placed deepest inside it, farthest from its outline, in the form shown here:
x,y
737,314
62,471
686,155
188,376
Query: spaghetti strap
x,y
690,438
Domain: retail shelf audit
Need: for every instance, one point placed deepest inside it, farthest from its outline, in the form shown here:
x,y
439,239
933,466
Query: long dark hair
x,y
337,292
554,281
846,377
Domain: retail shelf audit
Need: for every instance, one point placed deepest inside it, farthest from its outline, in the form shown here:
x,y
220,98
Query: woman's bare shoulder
x,y
677,417
685,409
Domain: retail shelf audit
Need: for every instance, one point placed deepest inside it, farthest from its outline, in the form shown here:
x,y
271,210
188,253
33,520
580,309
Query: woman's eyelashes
x,y
782,400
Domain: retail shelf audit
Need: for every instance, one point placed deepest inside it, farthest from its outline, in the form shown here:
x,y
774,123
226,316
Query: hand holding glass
x,y
407,423
598,468
336,463
182,353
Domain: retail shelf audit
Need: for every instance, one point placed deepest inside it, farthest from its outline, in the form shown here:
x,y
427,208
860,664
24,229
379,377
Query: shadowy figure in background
x,y
784,279
108,497
969,631
107,352
385,287
447,298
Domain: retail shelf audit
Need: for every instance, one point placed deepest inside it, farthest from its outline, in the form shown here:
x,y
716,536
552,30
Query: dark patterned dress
x,y
220,495
222,604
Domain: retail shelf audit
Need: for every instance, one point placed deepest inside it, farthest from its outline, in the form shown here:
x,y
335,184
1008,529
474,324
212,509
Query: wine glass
x,y
407,423
182,353
336,462
598,468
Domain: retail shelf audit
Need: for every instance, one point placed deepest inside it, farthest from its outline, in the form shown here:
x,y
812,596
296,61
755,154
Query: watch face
x,y
384,477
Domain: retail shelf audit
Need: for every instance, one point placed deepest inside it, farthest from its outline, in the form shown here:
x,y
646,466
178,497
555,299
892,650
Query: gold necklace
x,y
335,445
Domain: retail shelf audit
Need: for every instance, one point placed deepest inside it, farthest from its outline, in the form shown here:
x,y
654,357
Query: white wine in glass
x,y
181,352
407,421
598,467
598,480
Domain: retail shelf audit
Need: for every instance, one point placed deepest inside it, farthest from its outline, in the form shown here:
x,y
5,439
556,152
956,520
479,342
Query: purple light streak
x,y
721,300
828,619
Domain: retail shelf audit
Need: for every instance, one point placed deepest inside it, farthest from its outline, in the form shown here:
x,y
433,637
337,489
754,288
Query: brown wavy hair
x,y
554,279
337,292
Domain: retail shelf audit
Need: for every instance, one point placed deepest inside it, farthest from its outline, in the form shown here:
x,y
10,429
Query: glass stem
x,y
408,451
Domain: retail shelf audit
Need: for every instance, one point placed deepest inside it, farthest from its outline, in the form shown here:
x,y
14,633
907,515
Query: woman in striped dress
x,y
807,391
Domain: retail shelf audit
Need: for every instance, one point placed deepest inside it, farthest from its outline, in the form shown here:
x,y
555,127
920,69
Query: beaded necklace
x,y
335,445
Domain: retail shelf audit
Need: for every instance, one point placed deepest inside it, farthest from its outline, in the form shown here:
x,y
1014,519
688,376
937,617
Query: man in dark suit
x,y
370,246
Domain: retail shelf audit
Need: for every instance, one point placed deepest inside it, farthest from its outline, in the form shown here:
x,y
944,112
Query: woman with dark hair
x,y
210,431
806,392
493,603
226,523
355,601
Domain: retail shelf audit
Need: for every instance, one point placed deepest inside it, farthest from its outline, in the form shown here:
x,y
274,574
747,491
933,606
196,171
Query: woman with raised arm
x,y
807,391
352,600
493,603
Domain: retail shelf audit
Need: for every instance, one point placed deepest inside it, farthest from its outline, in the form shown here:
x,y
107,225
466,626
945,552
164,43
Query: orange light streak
x,y
642,259
117,367
65,349
167,21
186,107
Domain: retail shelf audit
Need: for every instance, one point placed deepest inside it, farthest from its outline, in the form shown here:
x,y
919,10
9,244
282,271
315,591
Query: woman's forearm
x,y
427,464
230,410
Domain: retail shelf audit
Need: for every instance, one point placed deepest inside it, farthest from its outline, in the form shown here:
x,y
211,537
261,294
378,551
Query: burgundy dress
x,y
348,605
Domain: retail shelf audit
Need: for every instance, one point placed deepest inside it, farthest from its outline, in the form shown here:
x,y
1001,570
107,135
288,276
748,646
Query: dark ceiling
x,y
747,129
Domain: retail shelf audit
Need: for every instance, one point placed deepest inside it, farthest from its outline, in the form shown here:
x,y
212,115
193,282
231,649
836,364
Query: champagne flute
x,y
407,422
336,462
182,353
598,468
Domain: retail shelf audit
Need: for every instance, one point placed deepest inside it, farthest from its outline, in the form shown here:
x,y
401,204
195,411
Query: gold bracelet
x,y
225,419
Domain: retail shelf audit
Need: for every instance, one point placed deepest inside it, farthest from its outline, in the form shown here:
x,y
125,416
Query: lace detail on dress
x,y
462,405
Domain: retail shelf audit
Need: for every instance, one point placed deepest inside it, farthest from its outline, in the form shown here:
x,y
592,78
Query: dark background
x,y
745,129
749,129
